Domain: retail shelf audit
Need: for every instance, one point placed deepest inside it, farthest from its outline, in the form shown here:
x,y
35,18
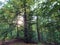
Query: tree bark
x,y
38,32
25,24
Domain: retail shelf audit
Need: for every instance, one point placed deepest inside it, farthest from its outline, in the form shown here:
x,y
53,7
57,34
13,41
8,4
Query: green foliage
x,y
48,19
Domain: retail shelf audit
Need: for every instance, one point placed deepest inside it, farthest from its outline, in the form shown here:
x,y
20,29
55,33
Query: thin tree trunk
x,y
38,29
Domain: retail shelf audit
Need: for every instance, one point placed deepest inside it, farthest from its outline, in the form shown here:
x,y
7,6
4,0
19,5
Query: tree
x,y
12,9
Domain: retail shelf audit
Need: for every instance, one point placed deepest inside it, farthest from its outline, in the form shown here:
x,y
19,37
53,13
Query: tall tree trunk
x,y
25,24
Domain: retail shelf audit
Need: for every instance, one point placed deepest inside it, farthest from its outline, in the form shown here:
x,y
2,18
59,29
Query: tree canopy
x,y
41,20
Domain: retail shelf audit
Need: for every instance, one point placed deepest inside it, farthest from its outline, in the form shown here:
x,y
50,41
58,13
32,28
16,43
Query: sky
x,y
3,2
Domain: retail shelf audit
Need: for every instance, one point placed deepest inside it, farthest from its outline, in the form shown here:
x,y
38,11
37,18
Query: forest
x,y
30,22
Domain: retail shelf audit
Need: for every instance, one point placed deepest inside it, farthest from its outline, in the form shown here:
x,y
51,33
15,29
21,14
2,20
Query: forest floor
x,y
22,43
15,42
